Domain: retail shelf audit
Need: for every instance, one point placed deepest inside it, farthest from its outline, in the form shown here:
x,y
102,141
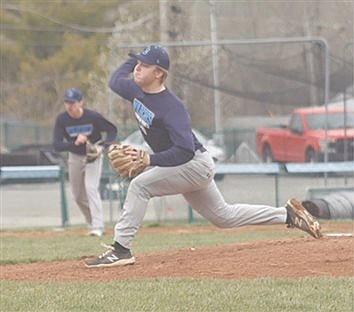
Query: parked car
x,y
115,190
32,155
304,139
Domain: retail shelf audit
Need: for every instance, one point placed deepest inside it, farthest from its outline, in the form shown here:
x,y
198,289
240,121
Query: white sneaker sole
x,y
97,233
121,262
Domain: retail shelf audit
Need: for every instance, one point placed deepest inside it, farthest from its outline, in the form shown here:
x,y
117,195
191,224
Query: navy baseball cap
x,y
154,55
73,95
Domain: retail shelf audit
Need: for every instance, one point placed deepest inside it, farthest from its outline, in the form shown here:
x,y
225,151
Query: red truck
x,y
304,139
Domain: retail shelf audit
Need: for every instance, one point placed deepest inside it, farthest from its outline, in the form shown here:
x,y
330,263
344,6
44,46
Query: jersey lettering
x,y
74,131
143,114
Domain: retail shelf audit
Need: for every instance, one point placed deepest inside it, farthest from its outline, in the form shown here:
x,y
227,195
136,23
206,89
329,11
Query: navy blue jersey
x,y
91,124
162,117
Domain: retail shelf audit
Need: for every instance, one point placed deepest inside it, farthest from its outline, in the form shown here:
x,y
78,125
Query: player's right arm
x,y
121,82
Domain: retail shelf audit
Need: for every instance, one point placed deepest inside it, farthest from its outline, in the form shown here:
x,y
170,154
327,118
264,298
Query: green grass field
x,y
162,294
305,294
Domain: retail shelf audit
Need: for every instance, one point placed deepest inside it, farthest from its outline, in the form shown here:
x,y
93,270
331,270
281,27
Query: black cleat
x,y
300,218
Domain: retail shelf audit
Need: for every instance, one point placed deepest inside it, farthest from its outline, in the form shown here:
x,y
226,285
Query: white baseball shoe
x,y
98,233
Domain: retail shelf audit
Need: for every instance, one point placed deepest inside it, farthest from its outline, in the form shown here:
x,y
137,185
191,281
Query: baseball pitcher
x,y
179,163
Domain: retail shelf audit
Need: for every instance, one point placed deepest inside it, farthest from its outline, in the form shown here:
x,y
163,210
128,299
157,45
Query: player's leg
x,y
93,172
209,203
76,168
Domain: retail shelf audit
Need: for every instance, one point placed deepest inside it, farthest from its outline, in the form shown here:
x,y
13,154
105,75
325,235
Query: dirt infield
x,y
290,257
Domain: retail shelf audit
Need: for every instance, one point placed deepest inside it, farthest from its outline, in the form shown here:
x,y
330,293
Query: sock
x,y
288,220
119,247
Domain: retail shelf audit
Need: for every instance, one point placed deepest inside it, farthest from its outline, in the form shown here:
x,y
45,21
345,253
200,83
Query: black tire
x,y
310,156
219,176
267,154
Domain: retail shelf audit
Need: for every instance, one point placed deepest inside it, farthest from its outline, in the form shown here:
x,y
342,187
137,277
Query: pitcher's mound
x,y
328,256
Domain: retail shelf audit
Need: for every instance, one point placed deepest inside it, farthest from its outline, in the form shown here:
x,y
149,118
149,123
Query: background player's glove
x,y
126,160
93,151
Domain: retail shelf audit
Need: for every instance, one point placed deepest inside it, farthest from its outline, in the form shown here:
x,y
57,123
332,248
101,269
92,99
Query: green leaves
x,y
49,46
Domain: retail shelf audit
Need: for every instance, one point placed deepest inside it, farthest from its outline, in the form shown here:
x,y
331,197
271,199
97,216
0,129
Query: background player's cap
x,y
72,95
154,55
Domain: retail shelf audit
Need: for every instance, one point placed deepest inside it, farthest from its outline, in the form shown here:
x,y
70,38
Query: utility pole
x,y
163,20
309,57
219,138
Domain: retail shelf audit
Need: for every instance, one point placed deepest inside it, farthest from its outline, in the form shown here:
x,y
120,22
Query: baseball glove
x,y
126,160
93,151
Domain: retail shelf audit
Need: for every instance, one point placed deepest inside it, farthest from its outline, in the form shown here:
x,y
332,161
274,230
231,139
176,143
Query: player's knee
x,y
137,186
221,223
80,199
91,189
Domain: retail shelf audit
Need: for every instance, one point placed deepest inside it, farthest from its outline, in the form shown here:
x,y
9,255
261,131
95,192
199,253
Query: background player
x,y
73,128
179,163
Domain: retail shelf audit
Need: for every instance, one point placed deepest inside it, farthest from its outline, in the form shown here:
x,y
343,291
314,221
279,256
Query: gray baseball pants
x,y
194,180
84,181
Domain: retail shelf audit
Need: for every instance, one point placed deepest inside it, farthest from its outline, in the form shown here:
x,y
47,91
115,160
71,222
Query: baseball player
x,y
78,131
179,163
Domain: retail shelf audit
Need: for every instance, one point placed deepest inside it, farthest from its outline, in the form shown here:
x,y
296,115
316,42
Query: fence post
x,y
190,214
6,134
277,190
63,202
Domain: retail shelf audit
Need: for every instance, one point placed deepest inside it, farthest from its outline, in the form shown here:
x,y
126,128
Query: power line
x,y
52,44
86,29
36,29
62,23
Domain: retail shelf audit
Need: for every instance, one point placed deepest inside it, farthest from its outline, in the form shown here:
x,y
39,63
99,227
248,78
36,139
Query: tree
x,y
46,47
